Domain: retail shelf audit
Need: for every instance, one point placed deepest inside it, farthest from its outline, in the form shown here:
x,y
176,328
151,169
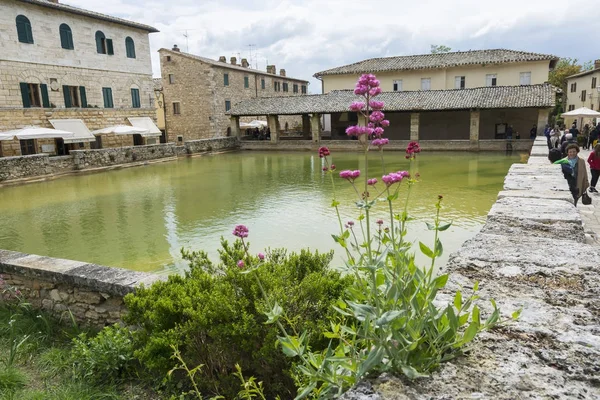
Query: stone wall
x,y
216,144
92,294
24,166
530,255
85,159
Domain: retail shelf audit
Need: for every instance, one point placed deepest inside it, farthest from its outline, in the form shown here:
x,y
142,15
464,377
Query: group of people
x,y
259,134
574,169
558,136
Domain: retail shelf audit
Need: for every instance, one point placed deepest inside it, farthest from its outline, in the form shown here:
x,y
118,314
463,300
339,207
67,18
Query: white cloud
x,y
307,36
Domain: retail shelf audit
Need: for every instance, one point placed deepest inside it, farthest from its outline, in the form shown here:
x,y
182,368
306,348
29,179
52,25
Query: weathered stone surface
x,y
538,160
84,159
535,182
539,151
215,144
538,194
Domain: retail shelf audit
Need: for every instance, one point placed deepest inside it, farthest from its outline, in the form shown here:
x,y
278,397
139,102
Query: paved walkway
x,y
591,214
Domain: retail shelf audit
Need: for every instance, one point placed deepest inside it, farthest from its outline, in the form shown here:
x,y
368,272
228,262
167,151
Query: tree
x,y
439,48
565,67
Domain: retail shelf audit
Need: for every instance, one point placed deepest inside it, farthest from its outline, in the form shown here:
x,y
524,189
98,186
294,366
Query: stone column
x,y
273,123
362,121
315,127
235,126
306,134
543,114
414,126
474,127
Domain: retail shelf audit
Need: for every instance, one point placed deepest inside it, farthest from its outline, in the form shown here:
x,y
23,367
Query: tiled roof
x,y
538,96
157,83
221,64
589,71
440,60
91,14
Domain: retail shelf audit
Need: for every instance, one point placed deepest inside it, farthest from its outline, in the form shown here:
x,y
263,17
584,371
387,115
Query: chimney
x,y
271,69
282,72
244,63
222,59
233,61
596,64
175,48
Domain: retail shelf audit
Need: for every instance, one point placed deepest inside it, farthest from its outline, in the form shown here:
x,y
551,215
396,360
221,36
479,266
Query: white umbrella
x,y
120,130
258,124
35,132
582,112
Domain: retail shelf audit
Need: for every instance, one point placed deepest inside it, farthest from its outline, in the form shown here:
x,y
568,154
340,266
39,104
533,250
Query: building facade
x,y
583,89
198,92
60,60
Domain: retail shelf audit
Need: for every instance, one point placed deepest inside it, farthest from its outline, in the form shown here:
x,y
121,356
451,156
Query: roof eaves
x,y
589,71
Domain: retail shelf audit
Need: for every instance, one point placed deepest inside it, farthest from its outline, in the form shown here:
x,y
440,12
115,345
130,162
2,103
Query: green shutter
x,y
262,83
107,93
225,79
25,94
45,99
109,47
67,96
83,96
135,98
246,82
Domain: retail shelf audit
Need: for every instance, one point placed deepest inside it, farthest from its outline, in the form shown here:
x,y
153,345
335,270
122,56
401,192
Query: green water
x,y
139,218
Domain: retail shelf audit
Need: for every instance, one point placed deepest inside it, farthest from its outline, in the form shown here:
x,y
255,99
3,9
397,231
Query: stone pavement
x,y
590,214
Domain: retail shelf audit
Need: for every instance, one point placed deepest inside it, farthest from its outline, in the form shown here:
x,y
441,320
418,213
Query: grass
x,y
42,367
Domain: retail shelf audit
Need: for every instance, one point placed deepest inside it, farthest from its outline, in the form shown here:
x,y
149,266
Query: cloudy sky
x,y
307,36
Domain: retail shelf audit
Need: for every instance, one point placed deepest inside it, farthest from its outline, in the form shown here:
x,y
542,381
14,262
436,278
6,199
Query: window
x,y
277,86
108,99
583,95
303,88
425,83
285,86
594,83
24,29
490,80
397,85
129,47
262,84
172,79
227,105
27,146
72,96
571,107
459,82
225,79
66,37
34,95
295,88
100,42
176,108
246,82
135,98
573,87
525,78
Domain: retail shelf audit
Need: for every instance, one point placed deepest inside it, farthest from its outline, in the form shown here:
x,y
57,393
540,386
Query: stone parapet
x,y
24,166
92,294
530,255
215,144
85,159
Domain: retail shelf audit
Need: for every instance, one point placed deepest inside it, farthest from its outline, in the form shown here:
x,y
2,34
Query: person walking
x,y
554,137
533,132
568,140
586,136
578,171
594,161
547,131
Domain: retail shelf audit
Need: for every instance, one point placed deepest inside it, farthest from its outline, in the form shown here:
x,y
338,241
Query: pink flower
x,y
379,222
373,82
323,152
355,174
261,256
357,106
240,231
332,167
349,224
325,169
412,148
372,182
361,89
241,264
378,131
375,91
380,142
352,130
350,175
394,177
385,123
376,116
376,105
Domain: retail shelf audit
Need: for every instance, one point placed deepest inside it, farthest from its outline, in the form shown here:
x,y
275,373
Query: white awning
x,y
82,133
34,132
120,130
146,123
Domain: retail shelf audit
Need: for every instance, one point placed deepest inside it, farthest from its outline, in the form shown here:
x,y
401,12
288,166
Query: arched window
x,y
100,42
130,47
66,37
24,29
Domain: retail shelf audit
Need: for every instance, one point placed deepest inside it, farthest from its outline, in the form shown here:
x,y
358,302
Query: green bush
x,y
106,358
11,380
214,316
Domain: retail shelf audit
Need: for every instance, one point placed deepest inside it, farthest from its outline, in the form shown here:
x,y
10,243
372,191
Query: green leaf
x,y
411,373
475,315
361,217
458,300
438,248
388,317
372,360
426,250
306,391
442,228
392,197
515,316
362,312
452,318
470,332
440,281
335,203
431,227
274,314
476,286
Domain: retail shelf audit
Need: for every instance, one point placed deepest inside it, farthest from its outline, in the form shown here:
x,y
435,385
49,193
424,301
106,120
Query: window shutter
x,y
109,47
25,94
83,96
135,98
67,96
45,99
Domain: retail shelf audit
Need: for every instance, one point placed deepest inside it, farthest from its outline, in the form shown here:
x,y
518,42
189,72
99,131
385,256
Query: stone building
x,y
583,90
64,62
198,91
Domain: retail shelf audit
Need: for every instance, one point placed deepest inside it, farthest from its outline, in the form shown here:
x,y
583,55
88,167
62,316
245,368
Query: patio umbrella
x,y
35,132
582,112
120,130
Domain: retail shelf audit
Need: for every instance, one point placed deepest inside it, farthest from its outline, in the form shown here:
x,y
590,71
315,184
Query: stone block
x,y
54,295
87,297
540,151
538,195
536,182
538,160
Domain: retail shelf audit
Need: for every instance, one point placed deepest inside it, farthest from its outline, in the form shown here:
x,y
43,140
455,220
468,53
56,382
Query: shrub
x,y
11,380
214,316
106,358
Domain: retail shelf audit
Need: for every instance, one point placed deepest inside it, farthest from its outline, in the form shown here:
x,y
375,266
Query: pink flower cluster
x,y
240,231
376,105
323,152
357,106
371,182
350,175
380,142
367,83
356,130
412,149
394,177
376,116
